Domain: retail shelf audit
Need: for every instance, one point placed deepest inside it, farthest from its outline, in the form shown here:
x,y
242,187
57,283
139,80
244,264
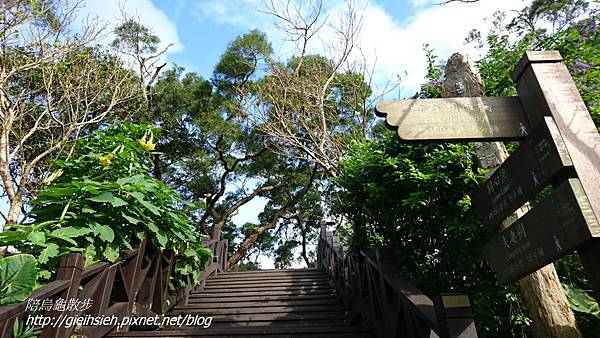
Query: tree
x,y
208,144
313,105
279,207
53,87
213,153
139,43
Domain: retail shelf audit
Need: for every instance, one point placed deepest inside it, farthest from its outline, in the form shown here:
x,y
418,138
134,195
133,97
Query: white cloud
x,y
393,43
397,47
420,3
233,12
149,15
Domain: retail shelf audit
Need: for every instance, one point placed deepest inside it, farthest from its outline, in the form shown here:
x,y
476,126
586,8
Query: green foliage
x,y
414,198
240,61
135,37
580,301
17,278
578,43
102,200
432,88
22,330
284,253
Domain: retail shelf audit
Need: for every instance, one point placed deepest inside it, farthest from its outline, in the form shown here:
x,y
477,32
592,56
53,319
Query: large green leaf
x,y
151,207
64,238
104,197
117,202
130,219
106,233
160,236
17,278
37,238
71,231
50,251
580,301
10,237
110,253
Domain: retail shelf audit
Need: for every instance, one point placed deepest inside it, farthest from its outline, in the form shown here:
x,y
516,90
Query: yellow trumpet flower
x,y
52,177
148,145
105,160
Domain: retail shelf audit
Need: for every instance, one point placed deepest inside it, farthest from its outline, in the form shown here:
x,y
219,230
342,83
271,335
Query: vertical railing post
x,y
320,248
455,316
70,269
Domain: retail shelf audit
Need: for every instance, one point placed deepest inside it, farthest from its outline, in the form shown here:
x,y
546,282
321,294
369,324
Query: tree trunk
x,y
541,291
304,253
247,243
158,173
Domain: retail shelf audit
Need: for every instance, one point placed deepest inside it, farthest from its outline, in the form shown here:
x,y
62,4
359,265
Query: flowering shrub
x,y
102,200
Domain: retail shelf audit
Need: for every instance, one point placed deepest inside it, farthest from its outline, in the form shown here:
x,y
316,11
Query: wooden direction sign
x,y
558,225
456,119
525,173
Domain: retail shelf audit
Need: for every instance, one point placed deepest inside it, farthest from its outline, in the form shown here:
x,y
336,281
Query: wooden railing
x,y
135,285
376,295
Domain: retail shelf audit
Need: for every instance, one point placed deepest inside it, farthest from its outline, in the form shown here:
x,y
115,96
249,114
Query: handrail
x,y
422,305
376,295
136,284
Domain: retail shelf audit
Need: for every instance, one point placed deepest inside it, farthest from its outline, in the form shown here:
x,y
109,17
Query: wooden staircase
x,y
271,303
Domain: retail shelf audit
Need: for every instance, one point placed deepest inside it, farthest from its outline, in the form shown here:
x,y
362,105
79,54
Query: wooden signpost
x,y
456,119
553,229
524,174
561,146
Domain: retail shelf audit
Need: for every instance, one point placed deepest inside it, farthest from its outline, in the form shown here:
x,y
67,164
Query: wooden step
x,y
266,303
266,271
267,285
251,332
266,309
209,298
246,319
228,294
270,273
259,280
270,288
241,304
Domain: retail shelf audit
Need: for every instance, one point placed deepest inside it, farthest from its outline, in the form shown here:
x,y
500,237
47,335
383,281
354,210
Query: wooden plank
x,y
272,288
525,173
270,309
560,223
548,89
246,332
456,119
264,280
239,304
272,285
251,298
259,292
